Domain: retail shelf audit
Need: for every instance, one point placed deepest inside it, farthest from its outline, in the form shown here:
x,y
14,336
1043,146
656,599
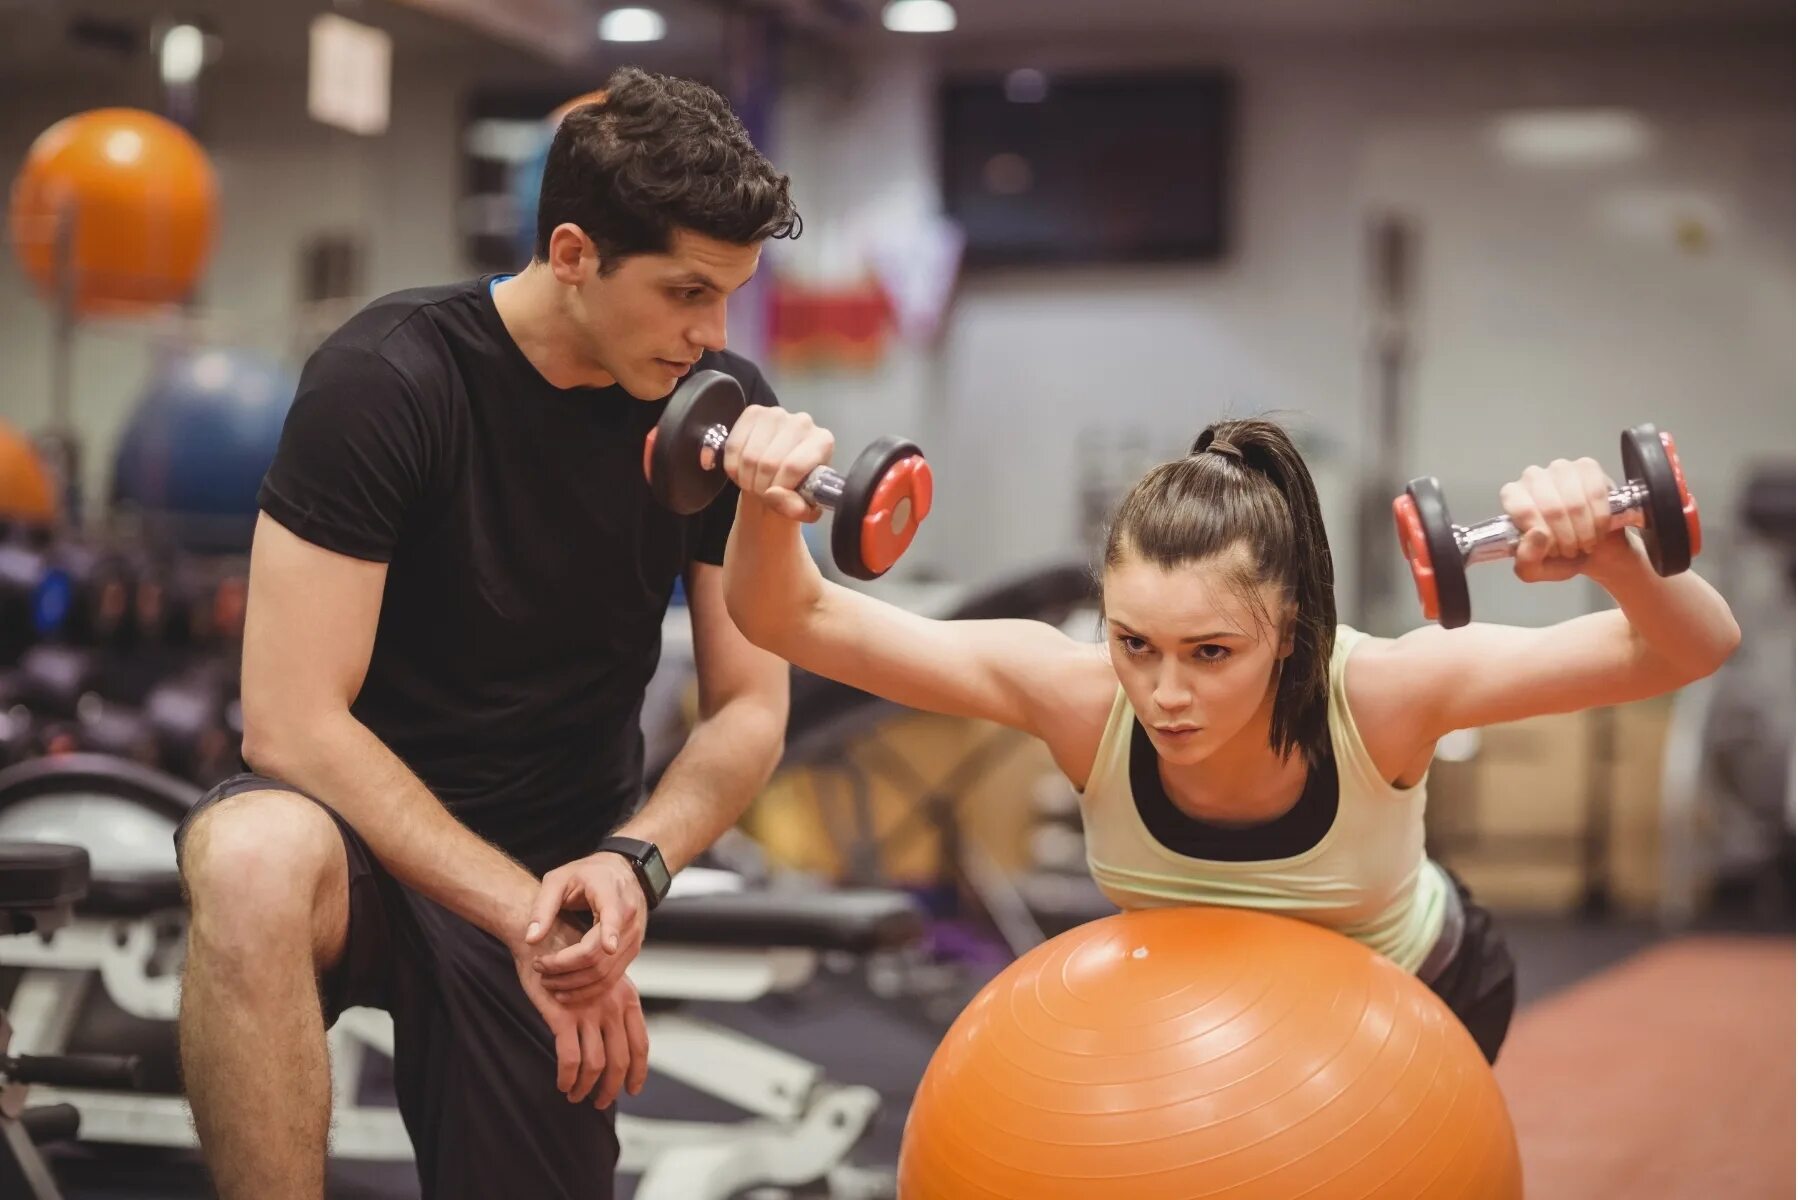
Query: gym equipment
x,y
113,210
182,602
35,598
1167,1053
1653,498
51,679
102,582
55,702
122,599
190,718
20,737
40,883
27,490
709,941
194,452
879,504
1728,781
102,727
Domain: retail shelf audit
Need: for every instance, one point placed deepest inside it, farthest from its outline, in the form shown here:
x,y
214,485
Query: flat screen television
x,y
1042,168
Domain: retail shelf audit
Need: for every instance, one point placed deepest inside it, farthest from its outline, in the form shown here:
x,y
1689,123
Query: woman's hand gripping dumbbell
x,y
878,504
1555,517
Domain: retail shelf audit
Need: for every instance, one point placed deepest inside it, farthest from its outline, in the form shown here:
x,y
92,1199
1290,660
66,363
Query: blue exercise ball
x,y
198,443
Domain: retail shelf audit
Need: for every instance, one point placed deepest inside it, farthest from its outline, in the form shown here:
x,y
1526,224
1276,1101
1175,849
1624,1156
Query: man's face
x,y
646,321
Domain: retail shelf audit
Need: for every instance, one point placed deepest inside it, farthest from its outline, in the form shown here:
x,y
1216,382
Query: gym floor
x,y
1615,1070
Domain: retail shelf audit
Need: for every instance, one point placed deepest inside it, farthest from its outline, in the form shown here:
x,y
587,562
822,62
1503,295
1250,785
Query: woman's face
x,y
1196,656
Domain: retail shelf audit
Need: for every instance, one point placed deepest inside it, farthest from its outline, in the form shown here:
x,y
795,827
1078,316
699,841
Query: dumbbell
x,y
103,585
103,727
190,715
1653,497
19,733
35,598
52,679
189,605
878,505
173,605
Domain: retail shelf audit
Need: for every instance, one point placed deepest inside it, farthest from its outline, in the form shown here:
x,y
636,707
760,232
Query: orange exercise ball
x,y
139,198
1179,1053
27,488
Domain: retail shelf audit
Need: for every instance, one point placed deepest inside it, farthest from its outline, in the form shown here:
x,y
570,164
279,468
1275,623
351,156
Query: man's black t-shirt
x,y
529,568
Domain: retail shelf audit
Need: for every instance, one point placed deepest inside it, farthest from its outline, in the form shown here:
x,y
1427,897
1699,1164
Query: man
x,y
456,596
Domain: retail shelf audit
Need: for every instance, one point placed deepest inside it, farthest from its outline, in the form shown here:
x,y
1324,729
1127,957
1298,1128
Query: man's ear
x,y
570,252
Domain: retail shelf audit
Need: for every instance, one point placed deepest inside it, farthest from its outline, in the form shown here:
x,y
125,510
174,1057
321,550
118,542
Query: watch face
x,y
656,871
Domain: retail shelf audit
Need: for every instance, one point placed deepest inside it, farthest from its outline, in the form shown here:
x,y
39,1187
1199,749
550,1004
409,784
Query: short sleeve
x,y
715,520
353,466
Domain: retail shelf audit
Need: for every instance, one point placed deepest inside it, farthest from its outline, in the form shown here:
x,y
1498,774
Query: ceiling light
x,y
1571,137
918,16
182,55
632,25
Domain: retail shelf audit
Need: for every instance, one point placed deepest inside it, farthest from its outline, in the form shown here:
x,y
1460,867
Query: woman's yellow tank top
x,y
1367,876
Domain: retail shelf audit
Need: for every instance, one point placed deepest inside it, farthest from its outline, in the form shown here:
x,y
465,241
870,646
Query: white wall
x,y
1038,362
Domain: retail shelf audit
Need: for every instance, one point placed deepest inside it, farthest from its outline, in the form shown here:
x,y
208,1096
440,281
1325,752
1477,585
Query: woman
x,y
1231,743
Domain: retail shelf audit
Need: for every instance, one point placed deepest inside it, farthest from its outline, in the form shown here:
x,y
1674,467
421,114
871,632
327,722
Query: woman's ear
x,y
1288,633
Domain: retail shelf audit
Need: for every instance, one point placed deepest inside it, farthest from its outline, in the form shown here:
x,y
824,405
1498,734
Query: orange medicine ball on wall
x,y
139,201
1174,1053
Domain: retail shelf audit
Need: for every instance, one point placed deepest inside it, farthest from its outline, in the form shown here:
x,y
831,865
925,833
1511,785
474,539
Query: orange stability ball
x,y
138,195
1180,1053
27,489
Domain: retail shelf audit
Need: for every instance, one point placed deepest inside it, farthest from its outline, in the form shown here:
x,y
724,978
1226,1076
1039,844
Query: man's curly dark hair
x,y
654,155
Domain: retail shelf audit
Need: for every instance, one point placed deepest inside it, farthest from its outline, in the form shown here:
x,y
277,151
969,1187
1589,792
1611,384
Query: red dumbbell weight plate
x,y
885,495
1426,534
671,459
1671,530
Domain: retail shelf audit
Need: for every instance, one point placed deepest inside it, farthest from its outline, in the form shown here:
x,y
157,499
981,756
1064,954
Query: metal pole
x,y
1392,247
60,446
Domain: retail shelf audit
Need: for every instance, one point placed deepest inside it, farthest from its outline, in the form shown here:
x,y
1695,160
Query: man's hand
x,y
600,1037
605,885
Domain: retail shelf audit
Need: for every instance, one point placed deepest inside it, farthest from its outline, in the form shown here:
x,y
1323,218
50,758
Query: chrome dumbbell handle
x,y
823,488
1496,537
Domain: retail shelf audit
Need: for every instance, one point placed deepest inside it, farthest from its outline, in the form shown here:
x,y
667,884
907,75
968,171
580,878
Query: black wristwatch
x,y
646,861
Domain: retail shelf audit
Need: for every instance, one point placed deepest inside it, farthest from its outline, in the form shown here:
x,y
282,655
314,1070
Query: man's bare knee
x,y
261,865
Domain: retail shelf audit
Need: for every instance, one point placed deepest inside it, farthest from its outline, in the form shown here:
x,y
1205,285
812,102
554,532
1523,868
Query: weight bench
x,y
40,884
711,940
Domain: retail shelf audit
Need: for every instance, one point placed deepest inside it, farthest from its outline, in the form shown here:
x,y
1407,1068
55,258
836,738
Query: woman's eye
x,y
1212,653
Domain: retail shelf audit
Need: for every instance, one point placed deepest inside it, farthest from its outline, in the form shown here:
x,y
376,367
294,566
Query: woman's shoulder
x,y
1075,713
1369,682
